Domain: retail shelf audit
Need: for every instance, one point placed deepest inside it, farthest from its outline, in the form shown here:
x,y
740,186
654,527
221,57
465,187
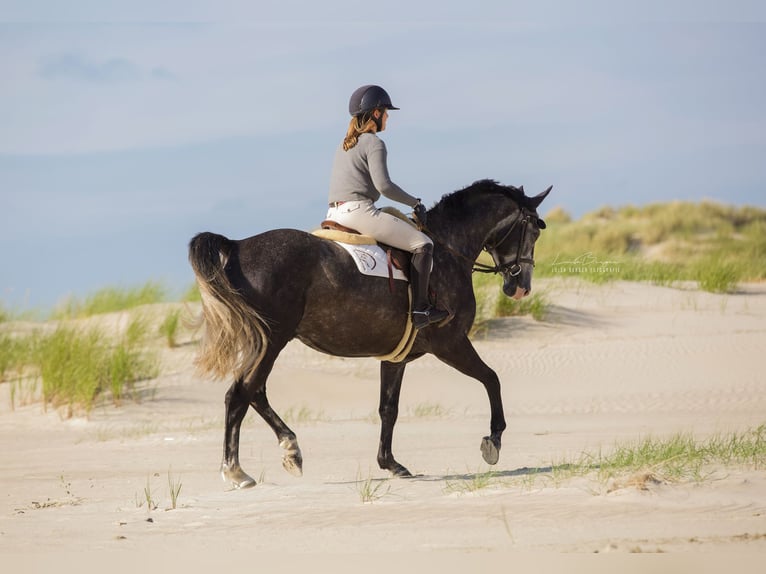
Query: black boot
x,y
423,313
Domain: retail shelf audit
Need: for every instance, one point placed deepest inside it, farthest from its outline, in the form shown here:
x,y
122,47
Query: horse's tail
x,y
234,340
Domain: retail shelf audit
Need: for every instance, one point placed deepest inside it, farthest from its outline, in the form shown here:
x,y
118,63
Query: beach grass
x,y
371,489
168,329
76,367
174,489
472,482
715,245
110,300
650,461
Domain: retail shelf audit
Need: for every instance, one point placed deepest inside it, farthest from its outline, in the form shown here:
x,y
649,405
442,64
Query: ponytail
x,y
361,124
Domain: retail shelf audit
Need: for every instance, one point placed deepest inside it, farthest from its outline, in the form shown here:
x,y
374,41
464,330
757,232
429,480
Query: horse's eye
x,y
540,223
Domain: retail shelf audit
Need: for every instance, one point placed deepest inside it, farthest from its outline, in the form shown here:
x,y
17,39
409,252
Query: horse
x,y
261,292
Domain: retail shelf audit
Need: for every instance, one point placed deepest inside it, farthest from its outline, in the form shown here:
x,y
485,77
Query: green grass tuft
x,y
169,327
371,489
535,304
679,458
110,300
77,367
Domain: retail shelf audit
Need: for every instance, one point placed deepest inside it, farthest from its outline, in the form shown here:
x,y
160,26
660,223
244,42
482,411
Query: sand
x,y
611,363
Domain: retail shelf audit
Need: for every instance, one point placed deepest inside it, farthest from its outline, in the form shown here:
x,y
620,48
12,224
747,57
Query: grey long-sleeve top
x,y
362,173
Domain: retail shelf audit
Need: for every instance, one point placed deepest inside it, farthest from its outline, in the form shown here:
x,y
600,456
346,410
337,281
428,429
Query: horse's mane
x,y
459,201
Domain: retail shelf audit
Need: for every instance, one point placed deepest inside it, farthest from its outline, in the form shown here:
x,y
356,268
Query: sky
x,y
126,130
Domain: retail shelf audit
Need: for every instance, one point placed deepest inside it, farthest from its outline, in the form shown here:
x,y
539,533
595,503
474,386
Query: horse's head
x,y
512,246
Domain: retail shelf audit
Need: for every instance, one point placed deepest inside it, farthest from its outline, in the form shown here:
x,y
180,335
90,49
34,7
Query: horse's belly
x,y
354,335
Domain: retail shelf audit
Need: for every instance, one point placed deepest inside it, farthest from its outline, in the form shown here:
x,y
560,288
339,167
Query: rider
x,y
360,176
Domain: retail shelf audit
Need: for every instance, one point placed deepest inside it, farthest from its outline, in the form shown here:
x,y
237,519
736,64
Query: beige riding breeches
x,y
369,220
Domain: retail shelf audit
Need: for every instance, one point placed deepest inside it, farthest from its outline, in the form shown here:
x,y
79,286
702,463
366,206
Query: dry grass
x,y
715,245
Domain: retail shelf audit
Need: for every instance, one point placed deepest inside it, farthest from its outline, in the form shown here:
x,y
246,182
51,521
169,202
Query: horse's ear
x,y
538,199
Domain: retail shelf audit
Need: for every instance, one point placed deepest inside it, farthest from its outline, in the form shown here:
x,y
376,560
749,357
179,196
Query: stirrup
x,y
428,316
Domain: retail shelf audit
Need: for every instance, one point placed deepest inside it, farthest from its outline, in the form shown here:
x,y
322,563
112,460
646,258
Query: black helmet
x,y
368,98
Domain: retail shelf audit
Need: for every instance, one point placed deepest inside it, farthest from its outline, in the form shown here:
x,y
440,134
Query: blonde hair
x,y
359,125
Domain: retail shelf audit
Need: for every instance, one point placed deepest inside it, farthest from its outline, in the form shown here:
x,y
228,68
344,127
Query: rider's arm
x,y
377,162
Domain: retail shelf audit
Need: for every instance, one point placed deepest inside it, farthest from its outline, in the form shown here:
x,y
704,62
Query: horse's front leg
x,y
391,375
462,356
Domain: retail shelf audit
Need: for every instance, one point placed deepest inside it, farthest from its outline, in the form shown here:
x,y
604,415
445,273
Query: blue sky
x,y
124,133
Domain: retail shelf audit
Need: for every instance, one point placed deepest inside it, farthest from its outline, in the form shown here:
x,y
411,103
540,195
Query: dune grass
x,y
715,245
77,367
651,460
110,300
169,327
192,294
371,489
492,303
640,464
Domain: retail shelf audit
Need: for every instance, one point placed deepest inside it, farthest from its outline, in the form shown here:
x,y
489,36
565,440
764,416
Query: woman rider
x,y
360,176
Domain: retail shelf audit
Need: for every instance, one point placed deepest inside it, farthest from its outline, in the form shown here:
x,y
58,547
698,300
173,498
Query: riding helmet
x,y
368,98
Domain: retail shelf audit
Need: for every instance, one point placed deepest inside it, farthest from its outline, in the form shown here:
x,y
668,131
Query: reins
x,y
513,268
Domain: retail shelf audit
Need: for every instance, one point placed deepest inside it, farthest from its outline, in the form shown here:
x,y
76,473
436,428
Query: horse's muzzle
x,y
520,293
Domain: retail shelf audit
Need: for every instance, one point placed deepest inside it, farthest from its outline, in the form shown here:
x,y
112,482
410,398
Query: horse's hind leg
x,y
292,459
237,403
253,392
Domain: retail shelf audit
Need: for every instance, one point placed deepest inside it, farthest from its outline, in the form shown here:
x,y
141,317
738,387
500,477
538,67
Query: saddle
x,y
397,258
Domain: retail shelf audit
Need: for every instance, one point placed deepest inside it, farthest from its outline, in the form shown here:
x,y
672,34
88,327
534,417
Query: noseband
x,y
512,268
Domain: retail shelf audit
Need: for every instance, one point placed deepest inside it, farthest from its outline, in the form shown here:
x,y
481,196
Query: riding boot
x,y
423,313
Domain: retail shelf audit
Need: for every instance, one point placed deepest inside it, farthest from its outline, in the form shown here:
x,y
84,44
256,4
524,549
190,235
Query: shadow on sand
x,y
555,317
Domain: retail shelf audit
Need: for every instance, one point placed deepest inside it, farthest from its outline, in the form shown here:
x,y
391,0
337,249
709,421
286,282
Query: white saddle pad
x,y
371,260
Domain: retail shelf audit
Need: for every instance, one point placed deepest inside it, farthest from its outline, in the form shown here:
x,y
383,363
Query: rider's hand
x,y
420,213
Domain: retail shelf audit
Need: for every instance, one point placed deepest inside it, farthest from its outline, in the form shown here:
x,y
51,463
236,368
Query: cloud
x,y
108,71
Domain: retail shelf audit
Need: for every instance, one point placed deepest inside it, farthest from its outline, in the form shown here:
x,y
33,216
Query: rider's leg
x,y
391,230
423,313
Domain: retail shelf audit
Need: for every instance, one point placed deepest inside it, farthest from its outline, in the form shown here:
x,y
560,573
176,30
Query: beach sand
x,y
611,363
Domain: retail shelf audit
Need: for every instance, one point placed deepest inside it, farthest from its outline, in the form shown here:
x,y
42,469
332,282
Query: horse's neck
x,y
468,233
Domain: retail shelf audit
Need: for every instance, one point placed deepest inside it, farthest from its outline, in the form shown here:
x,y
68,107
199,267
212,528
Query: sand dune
x,y
611,363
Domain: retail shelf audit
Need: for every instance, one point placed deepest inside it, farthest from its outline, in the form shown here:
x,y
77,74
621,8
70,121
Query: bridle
x,y
512,268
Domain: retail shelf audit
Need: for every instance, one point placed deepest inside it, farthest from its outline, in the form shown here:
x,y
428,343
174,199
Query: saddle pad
x,y
371,260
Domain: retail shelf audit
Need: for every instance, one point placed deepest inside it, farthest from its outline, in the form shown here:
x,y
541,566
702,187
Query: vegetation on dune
x,y
76,360
110,300
76,367
636,464
715,245
192,294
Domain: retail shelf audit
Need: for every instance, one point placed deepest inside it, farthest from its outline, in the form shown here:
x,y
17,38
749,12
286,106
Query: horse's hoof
x,y
292,459
238,478
490,451
292,465
400,472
